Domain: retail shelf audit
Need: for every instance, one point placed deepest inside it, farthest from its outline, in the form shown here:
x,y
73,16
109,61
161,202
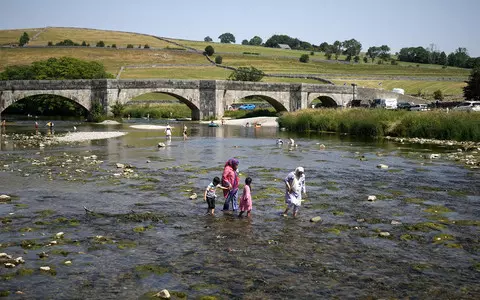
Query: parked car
x,y
468,106
419,107
404,105
247,106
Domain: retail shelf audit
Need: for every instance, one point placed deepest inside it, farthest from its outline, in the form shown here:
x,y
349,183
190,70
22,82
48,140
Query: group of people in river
x,y
229,183
168,131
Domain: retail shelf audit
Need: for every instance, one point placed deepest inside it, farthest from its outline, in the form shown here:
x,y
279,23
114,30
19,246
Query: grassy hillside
x,y
167,60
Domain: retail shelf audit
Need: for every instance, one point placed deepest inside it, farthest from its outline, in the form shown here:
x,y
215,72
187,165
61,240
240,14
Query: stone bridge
x,y
206,98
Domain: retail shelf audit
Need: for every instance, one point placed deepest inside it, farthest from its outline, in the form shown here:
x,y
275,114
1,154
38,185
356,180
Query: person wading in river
x,y
294,186
230,181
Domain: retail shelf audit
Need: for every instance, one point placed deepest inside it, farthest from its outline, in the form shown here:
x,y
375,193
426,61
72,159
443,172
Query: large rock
x,y
164,294
5,198
316,219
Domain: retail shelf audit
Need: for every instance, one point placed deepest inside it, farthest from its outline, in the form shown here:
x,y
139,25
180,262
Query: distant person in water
x,y
168,131
184,132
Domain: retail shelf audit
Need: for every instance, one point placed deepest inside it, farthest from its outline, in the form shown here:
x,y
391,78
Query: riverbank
x,y
89,135
264,121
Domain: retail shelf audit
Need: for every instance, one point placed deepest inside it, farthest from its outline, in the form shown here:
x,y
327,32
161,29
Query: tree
x,y
351,48
146,46
384,52
101,44
227,38
245,42
323,47
56,68
50,44
209,50
373,52
438,95
442,59
218,60
84,44
337,49
114,45
255,41
365,59
246,74
472,90
304,58
129,46
208,39
24,39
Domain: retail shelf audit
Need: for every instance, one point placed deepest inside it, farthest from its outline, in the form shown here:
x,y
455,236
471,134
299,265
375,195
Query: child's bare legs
x,y
212,211
248,213
286,211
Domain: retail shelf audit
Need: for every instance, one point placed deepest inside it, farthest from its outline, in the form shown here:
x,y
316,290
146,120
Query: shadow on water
x,y
142,233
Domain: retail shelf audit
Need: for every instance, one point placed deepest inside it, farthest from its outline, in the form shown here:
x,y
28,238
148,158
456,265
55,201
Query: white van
x,y
399,91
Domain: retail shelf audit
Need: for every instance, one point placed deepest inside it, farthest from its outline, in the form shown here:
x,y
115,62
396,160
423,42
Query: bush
x,y
129,46
246,74
218,60
438,95
100,44
365,59
114,45
118,109
97,114
304,58
50,44
209,50
146,46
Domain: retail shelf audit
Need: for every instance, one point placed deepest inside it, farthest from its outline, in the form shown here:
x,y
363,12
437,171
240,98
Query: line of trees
x,y
351,49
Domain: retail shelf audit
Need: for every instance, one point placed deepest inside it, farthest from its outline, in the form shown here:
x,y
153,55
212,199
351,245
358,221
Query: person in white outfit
x,y
294,186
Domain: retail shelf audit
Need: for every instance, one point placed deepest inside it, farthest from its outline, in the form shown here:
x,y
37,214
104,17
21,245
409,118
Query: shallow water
x,y
154,237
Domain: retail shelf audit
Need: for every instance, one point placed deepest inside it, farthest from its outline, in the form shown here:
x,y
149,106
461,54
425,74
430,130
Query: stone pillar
x,y
208,100
295,96
99,94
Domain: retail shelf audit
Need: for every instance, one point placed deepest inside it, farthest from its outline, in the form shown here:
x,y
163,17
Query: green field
x,y
162,61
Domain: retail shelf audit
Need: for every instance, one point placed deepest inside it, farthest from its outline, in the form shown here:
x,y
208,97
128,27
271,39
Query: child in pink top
x,y
246,200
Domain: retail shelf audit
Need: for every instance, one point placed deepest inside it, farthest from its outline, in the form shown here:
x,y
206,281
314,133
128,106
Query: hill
x,y
181,59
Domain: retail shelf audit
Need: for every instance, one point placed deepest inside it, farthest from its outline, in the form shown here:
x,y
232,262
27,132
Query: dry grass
x,y
112,59
12,36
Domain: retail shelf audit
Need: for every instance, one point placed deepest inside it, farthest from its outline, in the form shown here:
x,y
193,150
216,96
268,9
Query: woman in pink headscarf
x,y
230,181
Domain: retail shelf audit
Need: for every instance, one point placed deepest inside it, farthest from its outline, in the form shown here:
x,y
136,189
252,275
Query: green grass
x,y
460,126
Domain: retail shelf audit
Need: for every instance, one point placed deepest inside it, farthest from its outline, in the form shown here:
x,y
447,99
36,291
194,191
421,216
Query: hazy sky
x,y
448,24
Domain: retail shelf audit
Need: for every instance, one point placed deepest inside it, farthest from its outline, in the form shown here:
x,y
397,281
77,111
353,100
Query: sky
x,y
447,24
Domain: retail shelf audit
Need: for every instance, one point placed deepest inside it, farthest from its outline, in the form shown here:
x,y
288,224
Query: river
x,y
130,232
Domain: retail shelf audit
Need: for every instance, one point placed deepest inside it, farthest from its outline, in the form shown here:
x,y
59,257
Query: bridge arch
x,y
277,105
327,100
188,97
82,99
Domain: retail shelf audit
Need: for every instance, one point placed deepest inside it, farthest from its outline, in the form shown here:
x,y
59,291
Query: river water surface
x,y
142,233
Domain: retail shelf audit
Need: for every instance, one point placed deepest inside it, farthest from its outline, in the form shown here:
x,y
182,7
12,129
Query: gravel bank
x,y
89,135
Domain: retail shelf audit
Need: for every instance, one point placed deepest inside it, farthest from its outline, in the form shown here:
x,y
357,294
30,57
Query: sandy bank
x,y
150,126
89,135
264,121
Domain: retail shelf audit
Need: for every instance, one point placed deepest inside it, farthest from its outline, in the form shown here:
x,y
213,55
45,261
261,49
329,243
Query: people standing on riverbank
x,y
184,132
168,131
209,196
246,199
294,186
230,181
